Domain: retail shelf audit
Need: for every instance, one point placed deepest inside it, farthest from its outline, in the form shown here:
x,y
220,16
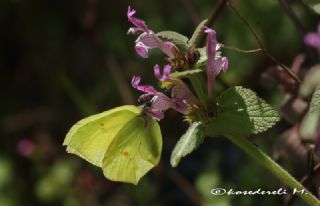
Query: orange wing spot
x,y
125,153
101,124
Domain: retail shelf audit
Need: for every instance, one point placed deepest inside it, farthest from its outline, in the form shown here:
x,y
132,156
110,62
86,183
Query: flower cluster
x,y
181,98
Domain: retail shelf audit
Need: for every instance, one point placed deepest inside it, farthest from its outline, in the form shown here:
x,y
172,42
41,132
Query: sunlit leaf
x,y
185,73
311,81
187,143
311,120
196,36
174,37
241,112
314,5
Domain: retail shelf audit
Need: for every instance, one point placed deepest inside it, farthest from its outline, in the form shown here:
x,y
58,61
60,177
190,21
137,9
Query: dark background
x,y
63,60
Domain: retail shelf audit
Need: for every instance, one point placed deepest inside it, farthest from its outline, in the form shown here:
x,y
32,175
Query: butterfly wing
x,y
90,137
135,150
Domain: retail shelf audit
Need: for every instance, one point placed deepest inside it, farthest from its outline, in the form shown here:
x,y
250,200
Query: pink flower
x,y
181,96
215,64
313,38
25,147
159,101
148,39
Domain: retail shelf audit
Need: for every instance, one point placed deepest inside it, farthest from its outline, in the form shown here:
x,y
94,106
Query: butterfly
x,y
123,141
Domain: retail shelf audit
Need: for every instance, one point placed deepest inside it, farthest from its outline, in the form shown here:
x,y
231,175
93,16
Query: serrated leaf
x,y
174,37
241,112
187,143
311,120
310,82
197,34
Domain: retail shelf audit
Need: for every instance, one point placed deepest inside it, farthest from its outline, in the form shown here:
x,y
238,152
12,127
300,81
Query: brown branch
x,y
265,51
191,10
304,181
183,184
213,16
121,82
216,12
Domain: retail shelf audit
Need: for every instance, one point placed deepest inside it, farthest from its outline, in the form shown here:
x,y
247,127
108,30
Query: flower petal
x,y
312,39
211,54
181,106
161,102
141,25
149,39
181,92
166,72
142,50
169,48
135,82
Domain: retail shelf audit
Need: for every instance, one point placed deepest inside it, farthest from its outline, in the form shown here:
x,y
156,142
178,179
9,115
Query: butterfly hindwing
x,y
135,150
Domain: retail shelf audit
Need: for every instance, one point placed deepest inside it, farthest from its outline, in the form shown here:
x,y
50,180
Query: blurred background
x,y
63,60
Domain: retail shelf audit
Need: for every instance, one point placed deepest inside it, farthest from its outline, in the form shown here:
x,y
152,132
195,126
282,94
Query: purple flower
x,y
25,147
148,39
159,102
180,92
215,63
181,96
313,38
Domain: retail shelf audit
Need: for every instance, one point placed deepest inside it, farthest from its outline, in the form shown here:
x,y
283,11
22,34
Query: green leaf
x,y
241,112
179,75
311,120
311,81
187,143
185,73
124,142
197,34
314,5
174,37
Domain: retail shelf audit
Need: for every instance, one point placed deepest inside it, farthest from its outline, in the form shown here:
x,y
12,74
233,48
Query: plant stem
x,y
276,169
196,84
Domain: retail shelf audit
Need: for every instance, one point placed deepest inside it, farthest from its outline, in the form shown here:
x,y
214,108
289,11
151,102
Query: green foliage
x,y
241,112
311,120
178,39
185,73
187,143
197,34
56,182
121,141
310,82
314,5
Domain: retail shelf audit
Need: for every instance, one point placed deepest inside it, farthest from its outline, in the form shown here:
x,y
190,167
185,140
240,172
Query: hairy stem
x,y
275,169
